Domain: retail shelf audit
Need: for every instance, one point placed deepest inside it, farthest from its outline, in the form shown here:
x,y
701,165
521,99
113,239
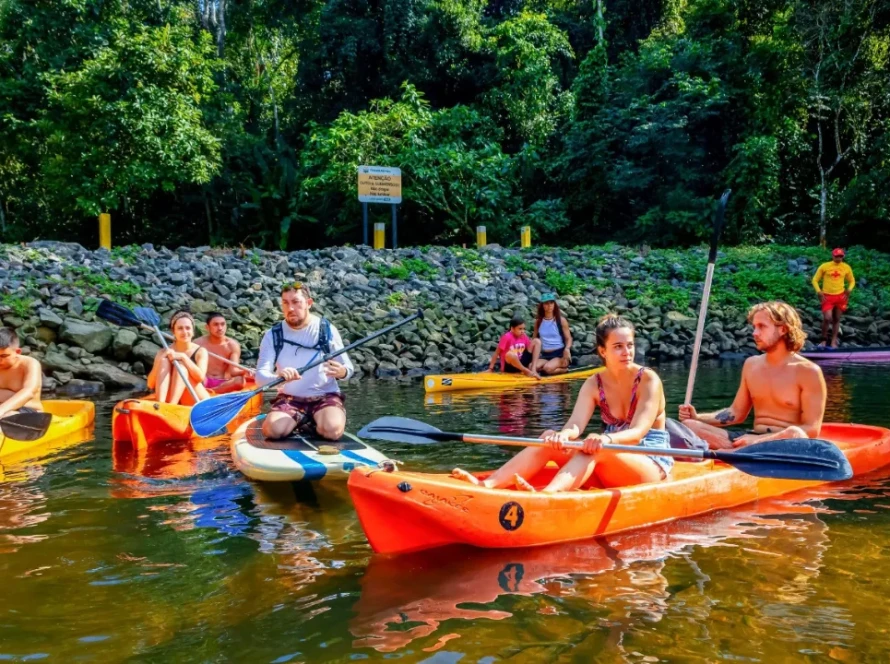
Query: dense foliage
x,y
210,121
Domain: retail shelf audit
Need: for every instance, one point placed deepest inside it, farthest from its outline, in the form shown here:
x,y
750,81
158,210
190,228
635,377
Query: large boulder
x,y
111,376
92,337
49,318
123,344
56,360
145,352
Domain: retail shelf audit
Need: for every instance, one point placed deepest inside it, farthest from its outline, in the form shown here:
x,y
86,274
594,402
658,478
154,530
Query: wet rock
x,y
123,343
92,337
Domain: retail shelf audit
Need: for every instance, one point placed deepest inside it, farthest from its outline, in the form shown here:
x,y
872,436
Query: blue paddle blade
x,y
211,416
148,316
403,430
117,314
791,459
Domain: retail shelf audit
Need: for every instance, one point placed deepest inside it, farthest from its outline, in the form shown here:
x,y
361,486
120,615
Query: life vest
x,y
323,344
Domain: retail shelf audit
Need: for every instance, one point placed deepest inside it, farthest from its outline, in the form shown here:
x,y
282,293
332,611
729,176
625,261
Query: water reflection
x,y
615,585
513,411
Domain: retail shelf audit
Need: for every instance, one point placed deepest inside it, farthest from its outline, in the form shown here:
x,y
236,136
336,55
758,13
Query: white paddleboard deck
x,y
298,457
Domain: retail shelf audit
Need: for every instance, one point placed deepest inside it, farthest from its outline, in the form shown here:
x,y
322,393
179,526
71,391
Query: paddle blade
x,y
117,314
210,417
26,426
404,430
148,316
791,459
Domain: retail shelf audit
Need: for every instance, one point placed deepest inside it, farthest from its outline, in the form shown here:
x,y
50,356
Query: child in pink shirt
x,y
515,350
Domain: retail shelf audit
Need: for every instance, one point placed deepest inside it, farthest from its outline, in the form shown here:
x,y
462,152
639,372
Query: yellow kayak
x,y
70,420
490,380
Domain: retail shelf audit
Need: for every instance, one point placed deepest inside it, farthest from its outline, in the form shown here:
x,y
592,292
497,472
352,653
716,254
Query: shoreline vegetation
x,y
50,291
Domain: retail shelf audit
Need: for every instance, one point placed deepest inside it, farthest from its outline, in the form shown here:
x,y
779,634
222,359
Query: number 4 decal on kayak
x,y
512,515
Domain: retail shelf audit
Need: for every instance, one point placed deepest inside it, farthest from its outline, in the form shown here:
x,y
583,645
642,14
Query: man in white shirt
x,y
313,398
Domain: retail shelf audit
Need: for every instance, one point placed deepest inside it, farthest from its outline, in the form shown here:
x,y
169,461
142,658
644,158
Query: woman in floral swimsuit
x,y
631,403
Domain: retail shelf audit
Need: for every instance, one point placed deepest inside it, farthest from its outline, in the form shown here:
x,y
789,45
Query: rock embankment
x,y
49,292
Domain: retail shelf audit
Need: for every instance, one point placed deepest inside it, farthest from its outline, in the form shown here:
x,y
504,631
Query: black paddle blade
x,y
26,426
791,459
117,314
148,316
404,430
212,415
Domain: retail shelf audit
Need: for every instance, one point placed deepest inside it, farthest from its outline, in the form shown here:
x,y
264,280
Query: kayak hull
x,y
298,458
491,380
145,422
402,512
70,417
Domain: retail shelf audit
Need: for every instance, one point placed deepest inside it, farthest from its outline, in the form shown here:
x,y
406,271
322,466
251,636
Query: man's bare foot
x,y
461,474
522,485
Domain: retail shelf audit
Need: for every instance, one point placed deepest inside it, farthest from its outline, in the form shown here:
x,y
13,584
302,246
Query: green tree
x,y
129,122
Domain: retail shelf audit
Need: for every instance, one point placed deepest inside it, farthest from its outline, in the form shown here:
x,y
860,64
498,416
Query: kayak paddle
x,y
706,294
150,317
120,315
25,426
790,459
212,415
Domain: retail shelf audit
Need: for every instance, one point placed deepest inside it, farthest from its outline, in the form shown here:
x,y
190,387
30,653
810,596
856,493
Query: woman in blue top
x,y
555,339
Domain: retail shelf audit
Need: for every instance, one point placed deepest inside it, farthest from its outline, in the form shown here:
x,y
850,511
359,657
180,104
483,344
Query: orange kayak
x,y
403,511
145,422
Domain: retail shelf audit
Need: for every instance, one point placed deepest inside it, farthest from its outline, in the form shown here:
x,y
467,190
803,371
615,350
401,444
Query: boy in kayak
x,y
631,403
309,401
516,350
21,377
222,377
164,378
555,339
834,293
786,391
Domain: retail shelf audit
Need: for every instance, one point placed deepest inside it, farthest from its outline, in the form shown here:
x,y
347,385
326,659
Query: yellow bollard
x,y
105,231
379,236
525,237
481,239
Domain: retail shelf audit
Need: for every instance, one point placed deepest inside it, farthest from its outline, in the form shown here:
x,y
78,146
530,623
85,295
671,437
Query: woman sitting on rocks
x,y
555,339
631,403
164,379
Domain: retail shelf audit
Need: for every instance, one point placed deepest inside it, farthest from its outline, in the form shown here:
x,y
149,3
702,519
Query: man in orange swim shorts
x,y
834,292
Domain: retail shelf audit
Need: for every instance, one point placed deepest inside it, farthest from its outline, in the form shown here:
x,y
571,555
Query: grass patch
x,y
128,253
564,283
518,264
99,283
20,306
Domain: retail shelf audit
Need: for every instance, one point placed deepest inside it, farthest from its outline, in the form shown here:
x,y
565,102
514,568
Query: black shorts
x,y
552,354
735,434
525,360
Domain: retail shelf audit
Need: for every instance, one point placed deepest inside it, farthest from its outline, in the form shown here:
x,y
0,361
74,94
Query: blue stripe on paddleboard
x,y
314,470
358,457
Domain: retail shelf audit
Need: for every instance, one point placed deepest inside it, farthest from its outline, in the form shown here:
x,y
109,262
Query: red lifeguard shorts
x,y
838,301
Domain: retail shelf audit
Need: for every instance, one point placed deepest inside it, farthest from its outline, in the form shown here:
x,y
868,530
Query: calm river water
x,y
106,556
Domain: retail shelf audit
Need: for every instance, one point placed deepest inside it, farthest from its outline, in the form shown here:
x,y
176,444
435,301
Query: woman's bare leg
x,y
616,469
573,474
162,382
526,464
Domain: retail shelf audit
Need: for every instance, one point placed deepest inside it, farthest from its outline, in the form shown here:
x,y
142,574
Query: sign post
x,y
380,184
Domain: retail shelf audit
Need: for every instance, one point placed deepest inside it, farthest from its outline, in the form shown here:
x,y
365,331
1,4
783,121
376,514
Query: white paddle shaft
x,y
699,333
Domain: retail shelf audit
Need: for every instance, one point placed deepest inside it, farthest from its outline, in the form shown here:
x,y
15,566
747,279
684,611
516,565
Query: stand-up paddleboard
x,y
867,354
298,457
